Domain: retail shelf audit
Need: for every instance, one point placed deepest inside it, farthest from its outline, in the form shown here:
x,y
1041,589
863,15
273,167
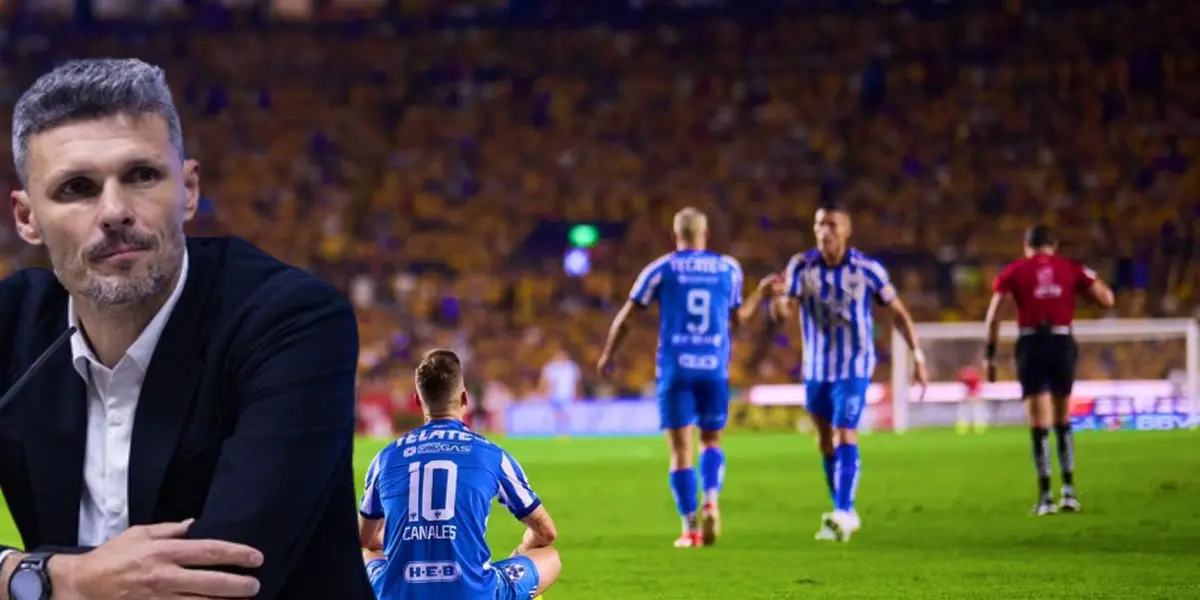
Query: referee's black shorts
x,y
1046,363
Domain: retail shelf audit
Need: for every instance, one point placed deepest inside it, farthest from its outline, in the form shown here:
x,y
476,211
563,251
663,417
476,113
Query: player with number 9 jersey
x,y
695,290
699,297
429,495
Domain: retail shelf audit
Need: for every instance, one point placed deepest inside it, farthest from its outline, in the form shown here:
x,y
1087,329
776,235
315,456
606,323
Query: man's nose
x,y
116,209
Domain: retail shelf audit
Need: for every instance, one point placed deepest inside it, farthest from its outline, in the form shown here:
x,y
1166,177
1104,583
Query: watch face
x,y
25,585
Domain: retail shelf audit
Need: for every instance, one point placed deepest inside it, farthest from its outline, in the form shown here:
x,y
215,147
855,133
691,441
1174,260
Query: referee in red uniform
x,y
1044,287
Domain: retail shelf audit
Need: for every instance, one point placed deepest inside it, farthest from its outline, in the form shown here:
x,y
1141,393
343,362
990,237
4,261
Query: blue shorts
x,y
517,578
684,402
375,571
839,402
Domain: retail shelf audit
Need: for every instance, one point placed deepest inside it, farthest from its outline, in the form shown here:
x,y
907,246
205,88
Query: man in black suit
x,y
207,380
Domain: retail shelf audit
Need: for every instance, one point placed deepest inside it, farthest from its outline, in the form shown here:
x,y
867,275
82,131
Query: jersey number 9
x,y
421,491
699,305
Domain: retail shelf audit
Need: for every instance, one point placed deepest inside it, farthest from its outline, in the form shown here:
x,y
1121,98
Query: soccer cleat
x,y
1068,502
689,539
843,523
1045,506
710,524
825,534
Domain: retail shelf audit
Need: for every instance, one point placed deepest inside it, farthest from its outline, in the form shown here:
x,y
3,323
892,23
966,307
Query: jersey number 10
x,y
421,493
699,304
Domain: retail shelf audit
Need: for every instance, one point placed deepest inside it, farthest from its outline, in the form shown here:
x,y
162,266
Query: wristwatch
x,y
31,579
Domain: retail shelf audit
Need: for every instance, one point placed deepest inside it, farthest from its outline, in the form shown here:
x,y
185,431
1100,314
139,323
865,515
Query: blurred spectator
x,y
433,174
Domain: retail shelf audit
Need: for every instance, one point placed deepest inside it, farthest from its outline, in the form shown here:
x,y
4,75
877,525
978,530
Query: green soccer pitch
x,y
944,516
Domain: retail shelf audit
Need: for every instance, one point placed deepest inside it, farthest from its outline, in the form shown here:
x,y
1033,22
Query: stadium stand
x,y
430,172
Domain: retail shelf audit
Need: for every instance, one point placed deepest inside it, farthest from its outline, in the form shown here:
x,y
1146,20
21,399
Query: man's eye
x,y
79,188
143,175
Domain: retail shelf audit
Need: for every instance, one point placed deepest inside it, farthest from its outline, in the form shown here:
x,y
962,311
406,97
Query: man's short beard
x,y
105,293
130,292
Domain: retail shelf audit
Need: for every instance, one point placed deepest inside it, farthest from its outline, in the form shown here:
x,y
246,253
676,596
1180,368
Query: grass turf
x,y
944,516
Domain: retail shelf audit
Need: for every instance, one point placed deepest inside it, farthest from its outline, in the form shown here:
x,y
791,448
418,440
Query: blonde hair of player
x,y
691,229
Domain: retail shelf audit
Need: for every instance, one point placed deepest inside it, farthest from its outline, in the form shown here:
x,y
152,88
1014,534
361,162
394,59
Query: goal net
x,y
1132,374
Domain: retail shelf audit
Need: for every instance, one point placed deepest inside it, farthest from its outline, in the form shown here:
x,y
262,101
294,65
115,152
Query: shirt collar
x,y
143,347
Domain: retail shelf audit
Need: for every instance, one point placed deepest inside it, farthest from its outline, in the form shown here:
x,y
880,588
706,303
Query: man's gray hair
x,y
90,89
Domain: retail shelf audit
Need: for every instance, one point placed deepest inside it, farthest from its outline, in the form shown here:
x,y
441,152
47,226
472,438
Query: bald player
x,y
699,294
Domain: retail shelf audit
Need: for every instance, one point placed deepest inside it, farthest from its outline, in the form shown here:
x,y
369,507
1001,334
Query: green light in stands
x,y
584,236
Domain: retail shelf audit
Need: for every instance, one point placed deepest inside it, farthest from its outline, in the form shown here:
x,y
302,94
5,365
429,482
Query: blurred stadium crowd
x,y
431,171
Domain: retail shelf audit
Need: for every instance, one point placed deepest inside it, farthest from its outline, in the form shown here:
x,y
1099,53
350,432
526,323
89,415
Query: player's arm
x,y
885,294
543,384
645,291
786,303
370,511
540,531
1094,288
745,312
370,533
518,497
903,322
619,329
1001,298
999,303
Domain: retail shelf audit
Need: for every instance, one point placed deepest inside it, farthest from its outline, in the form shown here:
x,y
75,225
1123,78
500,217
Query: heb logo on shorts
x,y
431,572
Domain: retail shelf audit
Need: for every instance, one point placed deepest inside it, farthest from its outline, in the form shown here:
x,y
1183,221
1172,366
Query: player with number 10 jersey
x,y
699,294
427,501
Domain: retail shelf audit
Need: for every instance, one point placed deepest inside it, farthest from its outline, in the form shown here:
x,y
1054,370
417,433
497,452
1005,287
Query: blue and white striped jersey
x,y
696,291
434,489
835,312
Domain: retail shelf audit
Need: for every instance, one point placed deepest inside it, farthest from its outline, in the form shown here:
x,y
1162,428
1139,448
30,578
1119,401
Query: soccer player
x,y
428,497
699,294
972,412
560,385
833,287
1044,286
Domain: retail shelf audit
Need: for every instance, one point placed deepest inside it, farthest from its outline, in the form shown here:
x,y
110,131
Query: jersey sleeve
x,y
515,492
371,507
880,283
737,284
792,276
1002,284
1084,277
645,289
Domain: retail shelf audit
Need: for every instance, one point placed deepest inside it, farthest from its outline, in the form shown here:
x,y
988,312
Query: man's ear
x,y
464,399
191,188
25,220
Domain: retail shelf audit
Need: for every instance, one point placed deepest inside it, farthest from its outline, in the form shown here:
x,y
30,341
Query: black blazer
x,y
245,420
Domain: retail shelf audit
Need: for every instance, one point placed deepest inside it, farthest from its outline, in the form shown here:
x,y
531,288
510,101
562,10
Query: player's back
x,y
695,291
435,488
1045,287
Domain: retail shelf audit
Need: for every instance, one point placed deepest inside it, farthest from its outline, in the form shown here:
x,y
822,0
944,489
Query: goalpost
x,y
1136,373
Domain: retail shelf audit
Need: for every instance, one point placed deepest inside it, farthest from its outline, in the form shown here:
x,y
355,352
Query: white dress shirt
x,y
112,398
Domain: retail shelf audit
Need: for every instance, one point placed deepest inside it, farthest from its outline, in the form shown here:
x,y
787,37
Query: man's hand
x,y
152,563
921,376
771,285
605,366
989,369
